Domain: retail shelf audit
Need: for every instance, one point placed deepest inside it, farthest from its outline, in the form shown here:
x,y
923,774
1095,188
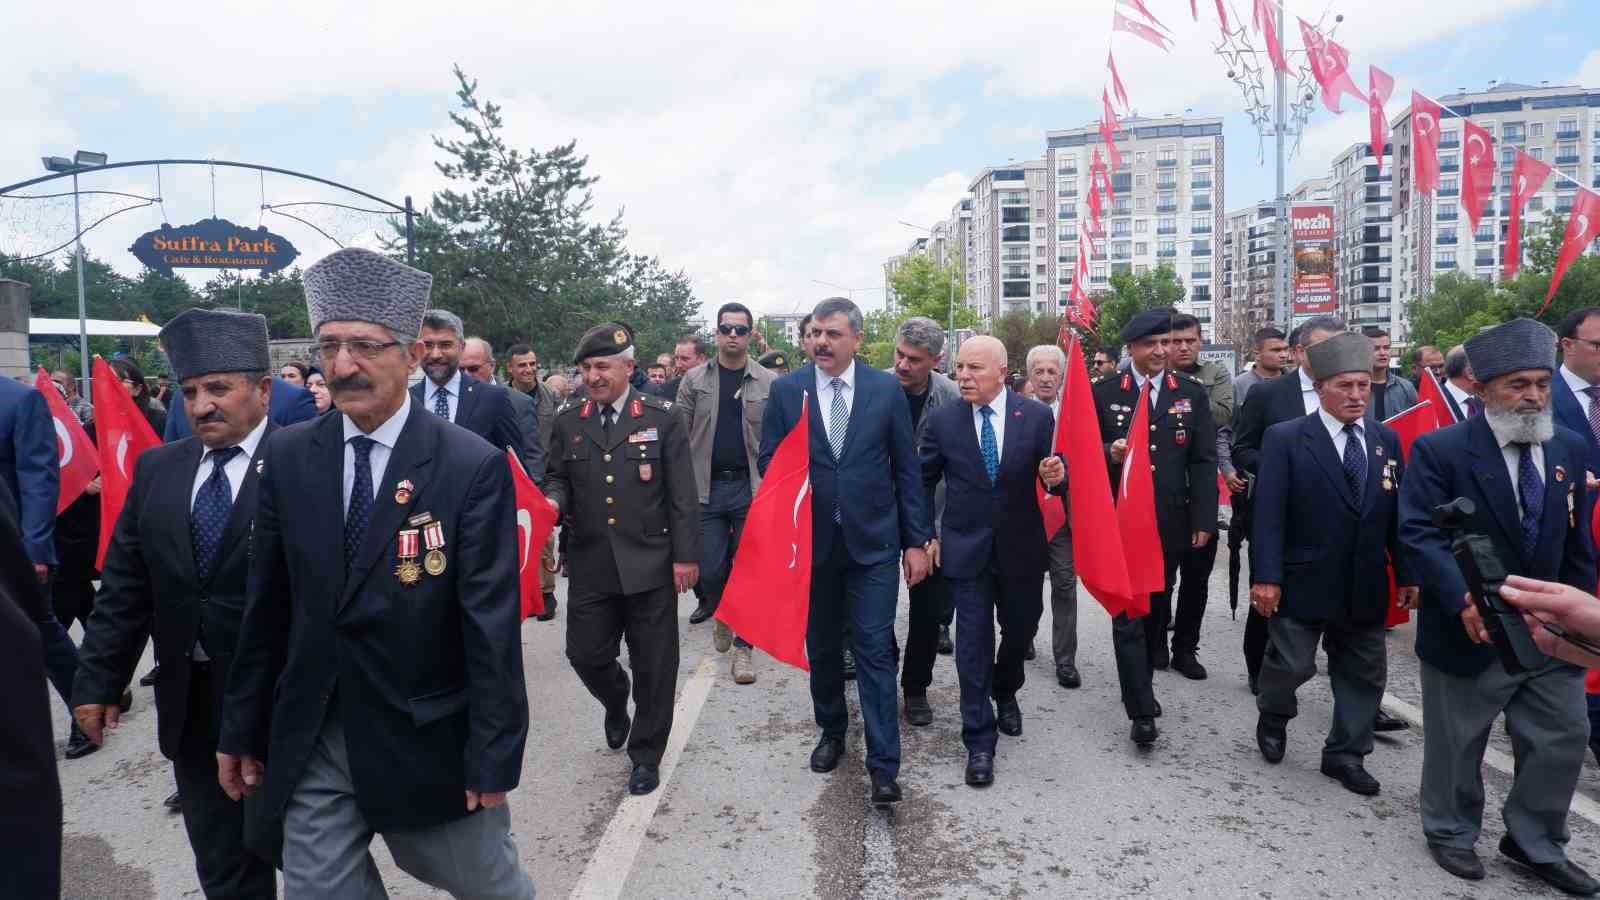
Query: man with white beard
x,y
1525,476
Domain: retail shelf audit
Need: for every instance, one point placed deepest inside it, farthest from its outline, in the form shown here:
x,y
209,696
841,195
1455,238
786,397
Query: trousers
x,y
1063,600
596,626
1357,669
721,522
1135,675
985,674
931,606
846,594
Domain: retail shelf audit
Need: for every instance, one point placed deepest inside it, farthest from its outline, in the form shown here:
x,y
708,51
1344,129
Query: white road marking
x,y
1581,804
880,874
606,873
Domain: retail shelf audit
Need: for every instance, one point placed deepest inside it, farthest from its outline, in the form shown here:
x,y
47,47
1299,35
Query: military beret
x,y
774,359
1511,347
609,339
1150,322
356,285
203,341
1347,352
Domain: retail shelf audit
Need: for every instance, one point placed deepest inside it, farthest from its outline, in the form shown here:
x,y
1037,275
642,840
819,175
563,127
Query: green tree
x,y
1129,296
877,337
1021,331
1455,308
777,337
924,288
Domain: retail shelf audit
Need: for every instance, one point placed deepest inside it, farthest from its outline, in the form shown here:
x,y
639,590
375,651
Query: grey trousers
x,y
1549,725
1357,667
326,840
1063,600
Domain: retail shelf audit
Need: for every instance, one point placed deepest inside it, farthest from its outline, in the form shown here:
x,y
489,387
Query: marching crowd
x,y
326,560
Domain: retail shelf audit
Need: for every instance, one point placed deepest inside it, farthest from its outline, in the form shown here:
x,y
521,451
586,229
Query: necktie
x,y
1355,461
210,512
1473,407
987,445
838,421
355,519
441,404
1593,391
1530,487
607,418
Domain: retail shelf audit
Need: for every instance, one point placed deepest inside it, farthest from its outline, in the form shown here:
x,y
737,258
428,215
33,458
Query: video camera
x,y
1484,574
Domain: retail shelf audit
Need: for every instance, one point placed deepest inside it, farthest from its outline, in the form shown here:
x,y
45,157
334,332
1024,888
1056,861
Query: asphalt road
x,y
1076,809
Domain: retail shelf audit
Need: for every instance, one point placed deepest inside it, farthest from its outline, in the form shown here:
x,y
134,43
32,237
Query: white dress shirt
x,y
825,393
452,394
1513,459
385,436
1340,436
997,421
235,468
1308,393
1155,388
1578,386
1460,396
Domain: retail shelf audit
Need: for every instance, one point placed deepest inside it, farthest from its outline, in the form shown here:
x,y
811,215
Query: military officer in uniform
x,y
621,476
1183,457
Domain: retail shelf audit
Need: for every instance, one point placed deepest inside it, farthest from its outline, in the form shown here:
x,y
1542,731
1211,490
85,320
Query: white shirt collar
x,y
453,386
386,434
248,445
998,404
1306,384
1336,427
619,404
1577,384
848,376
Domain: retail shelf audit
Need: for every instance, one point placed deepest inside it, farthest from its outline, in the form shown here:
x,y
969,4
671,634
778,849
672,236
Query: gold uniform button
x,y
611,479
610,501
607,457
614,521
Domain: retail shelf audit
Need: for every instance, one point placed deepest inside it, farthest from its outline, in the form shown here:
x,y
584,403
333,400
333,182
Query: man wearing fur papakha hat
x,y
379,671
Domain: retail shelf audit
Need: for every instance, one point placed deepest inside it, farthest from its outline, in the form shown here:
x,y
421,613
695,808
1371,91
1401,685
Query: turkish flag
x,y
1108,131
1415,422
1266,23
535,520
1116,81
1429,392
1330,66
1096,549
1144,11
1527,178
1382,85
1120,22
1136,514
1582,226
73,448
1222,17
1477,171
123,434
1424,143
767,600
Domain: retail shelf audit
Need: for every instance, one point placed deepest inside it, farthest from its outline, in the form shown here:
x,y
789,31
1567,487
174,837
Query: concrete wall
x,y
15,307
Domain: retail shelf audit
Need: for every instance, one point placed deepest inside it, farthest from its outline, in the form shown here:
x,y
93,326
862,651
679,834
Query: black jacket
x,y
1268,403
1183,450
485,410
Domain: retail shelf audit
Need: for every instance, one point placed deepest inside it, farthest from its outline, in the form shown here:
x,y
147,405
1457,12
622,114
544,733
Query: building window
x,y
1536,152
1536,129
1140,180
1041,233
1140,225
1097,273
1039,251
1140,157
1141,204
1200,157
1142,248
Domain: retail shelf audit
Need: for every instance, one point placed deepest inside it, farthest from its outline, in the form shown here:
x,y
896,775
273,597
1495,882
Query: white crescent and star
x,y
64,440
1425,121
122,454
525,527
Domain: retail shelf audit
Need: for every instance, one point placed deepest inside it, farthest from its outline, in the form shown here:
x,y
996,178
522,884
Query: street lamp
x,y
952,336
83,159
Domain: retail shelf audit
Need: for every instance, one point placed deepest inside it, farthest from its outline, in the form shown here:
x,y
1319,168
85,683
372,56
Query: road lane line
x,y
880,874
1581,804
606,873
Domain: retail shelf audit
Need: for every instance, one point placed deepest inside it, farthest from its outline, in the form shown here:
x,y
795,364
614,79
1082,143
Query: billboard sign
x,y
1311,233
213,244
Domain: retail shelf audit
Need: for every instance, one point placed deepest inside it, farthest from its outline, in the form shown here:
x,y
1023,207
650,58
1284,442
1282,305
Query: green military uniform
x,y
627,495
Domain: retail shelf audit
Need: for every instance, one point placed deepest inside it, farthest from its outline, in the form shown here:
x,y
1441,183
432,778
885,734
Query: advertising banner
x,y
1311,233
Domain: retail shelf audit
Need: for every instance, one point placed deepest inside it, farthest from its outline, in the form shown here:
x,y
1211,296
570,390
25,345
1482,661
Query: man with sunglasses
x,y
721,402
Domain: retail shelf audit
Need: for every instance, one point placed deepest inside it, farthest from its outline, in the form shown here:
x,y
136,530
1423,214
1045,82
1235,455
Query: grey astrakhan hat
x,y
1346,352
356,285
1511,347
203,341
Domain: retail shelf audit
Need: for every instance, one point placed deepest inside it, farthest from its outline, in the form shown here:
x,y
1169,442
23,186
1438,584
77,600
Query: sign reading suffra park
x,y
213,244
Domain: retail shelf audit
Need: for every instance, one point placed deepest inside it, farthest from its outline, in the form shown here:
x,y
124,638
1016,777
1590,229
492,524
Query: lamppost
x,y
80,161
930,232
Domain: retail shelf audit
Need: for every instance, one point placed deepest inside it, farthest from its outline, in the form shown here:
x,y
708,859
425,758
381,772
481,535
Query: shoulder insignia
x,y
566,407
1190,378
653,401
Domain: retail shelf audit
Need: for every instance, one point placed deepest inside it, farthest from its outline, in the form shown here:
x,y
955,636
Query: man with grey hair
x,y
1460,387
481,407
1047,367
918,350
1524,476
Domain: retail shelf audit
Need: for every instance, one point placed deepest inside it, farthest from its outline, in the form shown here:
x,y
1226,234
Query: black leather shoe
x,y
1460,863
549,608
1031,653
849,666
1067,677
78,744
645,778
150,677
980,769
617,725
918,712
1564,876
825,758
702,612
1255,685
884,788
1144,731
1354,778
1386,722
1009,717
1156,705
1188,666
946,646
1272,738
1160,659
173,803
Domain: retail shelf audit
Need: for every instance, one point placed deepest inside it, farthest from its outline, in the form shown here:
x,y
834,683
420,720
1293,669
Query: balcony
x,y
1373,235
1446,238
1378,195
1067,212
1167,163
1121,184
1200,160
1515,135
1567,159
1449,143
1119,257
1166,185
1373,294
1066,193
1374,257
1166,207
1122,268
1371,276
1166,254
1484,260
1200,184
1445,264
1570,134
1097,257
1071,171
1200,205
1013,214
1449,192
1167,229
1200,229
1200,251
1373,175
1375,218
1449,216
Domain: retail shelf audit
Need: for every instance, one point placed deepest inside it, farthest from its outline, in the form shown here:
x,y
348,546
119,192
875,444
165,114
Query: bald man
x,y
477,361
989,448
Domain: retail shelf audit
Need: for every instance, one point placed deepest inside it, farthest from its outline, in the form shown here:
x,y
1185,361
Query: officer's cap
x,y
1145,324
608,339
774,359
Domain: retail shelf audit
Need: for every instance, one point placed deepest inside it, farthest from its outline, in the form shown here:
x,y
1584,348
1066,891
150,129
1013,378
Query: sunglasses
x,y
740,330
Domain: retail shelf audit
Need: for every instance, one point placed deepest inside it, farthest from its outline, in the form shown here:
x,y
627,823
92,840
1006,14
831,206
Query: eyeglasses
x,y
1593,345
329,350
740,330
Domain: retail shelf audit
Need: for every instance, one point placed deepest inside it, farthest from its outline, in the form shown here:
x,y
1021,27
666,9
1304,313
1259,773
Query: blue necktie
x,y
441,404
1355,461
987,445
355,519
1531,488
210,512
838,421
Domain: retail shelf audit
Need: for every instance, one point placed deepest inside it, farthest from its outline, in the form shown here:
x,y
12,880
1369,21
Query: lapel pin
x,y
261,464
1377,449
1561,474
402,491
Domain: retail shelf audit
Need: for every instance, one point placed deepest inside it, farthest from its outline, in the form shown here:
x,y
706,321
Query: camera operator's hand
x,y
1474,623
1265,597
1407,596
1573,610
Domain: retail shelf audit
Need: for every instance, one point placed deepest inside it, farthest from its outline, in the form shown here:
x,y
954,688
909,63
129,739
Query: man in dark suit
x,y
290,404
378,676
1459,384
1576,385
1323,576
482,408
1523,473
176,571
867,507
989,448
625,484
1183,455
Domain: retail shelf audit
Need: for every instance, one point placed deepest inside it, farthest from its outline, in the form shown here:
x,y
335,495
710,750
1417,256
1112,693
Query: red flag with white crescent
x,y
74,451
1381,84
767,600
1120,22
535,520
1266,22
1098,550
1136,513
1330,66
1108,131
1582,225
1527,178
1116,81
1424,143
1477,171
1138,5
123,434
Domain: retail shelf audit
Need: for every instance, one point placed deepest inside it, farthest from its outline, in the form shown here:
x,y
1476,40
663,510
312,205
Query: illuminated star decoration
x,y
1240,54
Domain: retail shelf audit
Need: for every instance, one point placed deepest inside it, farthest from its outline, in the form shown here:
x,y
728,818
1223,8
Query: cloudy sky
x,y
756,146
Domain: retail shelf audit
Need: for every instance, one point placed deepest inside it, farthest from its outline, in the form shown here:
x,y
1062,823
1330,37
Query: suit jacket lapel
x,y
411,459
1376,460
180,503
816,428
243,511
1489,470
467,403
1013,439
1556,490
1322,450
858,405
327,492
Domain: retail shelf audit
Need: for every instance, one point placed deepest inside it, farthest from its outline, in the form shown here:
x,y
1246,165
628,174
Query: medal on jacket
x,y
408,571
636,408
1572,507
1127,381
402,492
1181,436
433,540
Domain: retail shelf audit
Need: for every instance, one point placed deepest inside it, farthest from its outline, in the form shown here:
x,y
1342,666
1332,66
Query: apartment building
x,y
1010,240
1249,264
1364,238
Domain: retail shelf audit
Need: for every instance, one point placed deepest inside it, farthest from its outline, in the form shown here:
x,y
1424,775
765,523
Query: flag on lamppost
x,y
1527,178
1266,22
1120,22
1116,81
1582,226
1330,66
1424,144
1381,85
1477,171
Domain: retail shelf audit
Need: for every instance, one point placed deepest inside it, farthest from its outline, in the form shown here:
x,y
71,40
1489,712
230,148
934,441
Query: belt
x,y
730,473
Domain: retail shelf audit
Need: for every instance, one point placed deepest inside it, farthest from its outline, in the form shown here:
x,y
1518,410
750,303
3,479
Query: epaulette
x,y
1189,378
1099,378
653,400
566,407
